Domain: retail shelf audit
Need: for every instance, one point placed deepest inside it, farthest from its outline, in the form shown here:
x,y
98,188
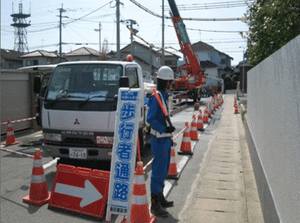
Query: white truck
x,y
78,108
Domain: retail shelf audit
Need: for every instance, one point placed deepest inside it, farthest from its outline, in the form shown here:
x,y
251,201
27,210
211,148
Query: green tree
x,y
272,24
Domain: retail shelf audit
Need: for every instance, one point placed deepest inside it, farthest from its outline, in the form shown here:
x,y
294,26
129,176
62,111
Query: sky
x,y
82,17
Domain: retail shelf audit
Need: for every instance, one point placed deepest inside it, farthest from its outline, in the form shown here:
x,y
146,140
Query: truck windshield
x,y
84,82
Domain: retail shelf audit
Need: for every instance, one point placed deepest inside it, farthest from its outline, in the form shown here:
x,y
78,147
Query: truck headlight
x,y
52,137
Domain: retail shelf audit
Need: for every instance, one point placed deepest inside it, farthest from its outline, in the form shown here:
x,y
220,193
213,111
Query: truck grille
x,y
77,142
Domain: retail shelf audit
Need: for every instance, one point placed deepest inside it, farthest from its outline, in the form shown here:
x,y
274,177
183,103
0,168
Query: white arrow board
x,y
89,193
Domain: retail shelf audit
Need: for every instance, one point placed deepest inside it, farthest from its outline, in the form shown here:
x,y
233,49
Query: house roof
x,y
201,46
127,48
39,53
208,64
83,51
10,54
167,53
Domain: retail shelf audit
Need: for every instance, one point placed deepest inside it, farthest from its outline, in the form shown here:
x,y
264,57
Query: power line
x,y
214,5
191,19
88,14
216,31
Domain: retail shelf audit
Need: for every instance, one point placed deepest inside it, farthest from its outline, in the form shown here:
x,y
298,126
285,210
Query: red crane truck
x,y
192,76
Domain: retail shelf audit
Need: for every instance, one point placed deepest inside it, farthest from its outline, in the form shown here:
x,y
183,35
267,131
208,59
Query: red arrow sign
x,y
80,190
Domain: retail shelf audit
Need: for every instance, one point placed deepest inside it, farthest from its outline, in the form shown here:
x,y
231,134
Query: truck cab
x,y
79,108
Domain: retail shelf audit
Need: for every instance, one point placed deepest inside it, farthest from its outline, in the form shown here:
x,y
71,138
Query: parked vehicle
x,y
78,108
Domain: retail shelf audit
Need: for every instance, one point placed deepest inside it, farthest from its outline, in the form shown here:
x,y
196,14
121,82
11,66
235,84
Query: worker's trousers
x,y
161,150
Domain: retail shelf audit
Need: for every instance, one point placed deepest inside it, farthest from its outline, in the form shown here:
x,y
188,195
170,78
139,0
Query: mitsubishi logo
x,y
76,122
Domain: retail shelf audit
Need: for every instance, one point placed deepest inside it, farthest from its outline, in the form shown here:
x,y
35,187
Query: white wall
x,y
274,122
16,99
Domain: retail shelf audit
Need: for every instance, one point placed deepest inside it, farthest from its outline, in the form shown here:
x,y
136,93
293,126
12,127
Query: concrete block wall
x,y
273,120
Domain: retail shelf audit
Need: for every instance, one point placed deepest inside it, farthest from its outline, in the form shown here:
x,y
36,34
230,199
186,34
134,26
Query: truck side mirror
x,y
124,81
37,85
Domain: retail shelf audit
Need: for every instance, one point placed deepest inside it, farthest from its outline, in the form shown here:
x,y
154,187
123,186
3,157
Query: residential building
x,y
10,59
40,57
170,59
214,62
81,54
148,58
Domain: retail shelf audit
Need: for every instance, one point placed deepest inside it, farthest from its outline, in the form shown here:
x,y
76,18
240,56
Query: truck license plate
x,y
77,153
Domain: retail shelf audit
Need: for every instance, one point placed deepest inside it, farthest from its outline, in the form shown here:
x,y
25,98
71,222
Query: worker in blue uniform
x,y
161,142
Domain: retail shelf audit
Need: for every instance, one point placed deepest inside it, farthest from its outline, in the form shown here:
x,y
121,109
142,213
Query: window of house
x,y
223,61
32,62
168,62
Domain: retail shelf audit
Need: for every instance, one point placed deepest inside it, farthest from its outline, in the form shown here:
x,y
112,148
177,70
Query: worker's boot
x,y
156,207
165,203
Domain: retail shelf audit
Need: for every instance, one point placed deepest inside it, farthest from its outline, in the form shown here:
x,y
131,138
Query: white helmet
x,y
165,73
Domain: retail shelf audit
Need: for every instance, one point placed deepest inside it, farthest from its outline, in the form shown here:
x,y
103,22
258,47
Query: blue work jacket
x,y
155,115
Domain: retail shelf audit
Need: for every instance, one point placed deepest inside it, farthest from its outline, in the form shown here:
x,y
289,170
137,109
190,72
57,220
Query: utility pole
x,y
163,34
151,61
61,10
130,23
118,28
243,75
100,27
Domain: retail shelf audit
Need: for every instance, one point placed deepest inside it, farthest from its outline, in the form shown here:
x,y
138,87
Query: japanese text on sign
x,y
124,152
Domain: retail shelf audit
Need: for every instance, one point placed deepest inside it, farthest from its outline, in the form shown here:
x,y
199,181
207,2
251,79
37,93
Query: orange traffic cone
x,y
139,207
10,135
236,111
186,148
38,194
205,118
194,132
173,173
200,126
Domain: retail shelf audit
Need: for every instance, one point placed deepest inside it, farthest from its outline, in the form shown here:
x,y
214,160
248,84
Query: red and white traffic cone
x,y
236,110
214,103
186,147
205,118
173,173
200,126
10,135
38,194
139,206
194,132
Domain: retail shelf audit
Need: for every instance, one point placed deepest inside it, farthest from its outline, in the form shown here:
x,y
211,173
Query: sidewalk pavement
x,y
225,189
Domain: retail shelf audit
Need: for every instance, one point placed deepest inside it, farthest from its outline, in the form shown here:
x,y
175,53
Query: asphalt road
x,y
16,177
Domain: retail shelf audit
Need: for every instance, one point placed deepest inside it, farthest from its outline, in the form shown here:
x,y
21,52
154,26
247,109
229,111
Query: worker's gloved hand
x,y
169,129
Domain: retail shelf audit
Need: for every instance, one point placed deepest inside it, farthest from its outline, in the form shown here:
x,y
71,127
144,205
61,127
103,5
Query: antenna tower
x,y
20,25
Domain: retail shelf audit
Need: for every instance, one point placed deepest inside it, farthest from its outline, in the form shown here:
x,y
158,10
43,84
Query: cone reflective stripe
x,y
186,148
173,173
200,121
38,194
194,132
10,135
139,206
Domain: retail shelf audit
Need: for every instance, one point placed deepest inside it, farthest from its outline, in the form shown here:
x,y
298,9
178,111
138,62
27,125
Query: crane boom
x,y
192,64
